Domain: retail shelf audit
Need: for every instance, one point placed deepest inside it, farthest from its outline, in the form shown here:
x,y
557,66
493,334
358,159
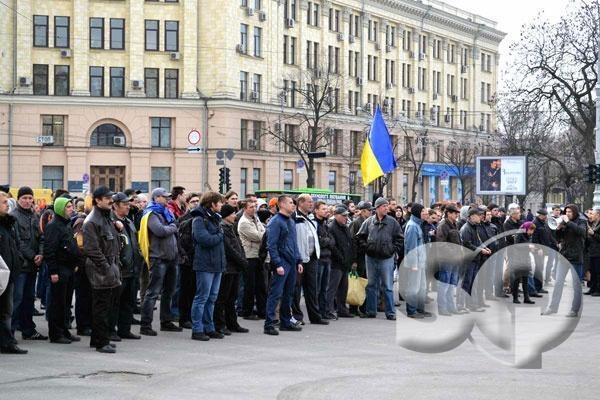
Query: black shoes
x,y
215,335
239,329
129,335
224,331
35,336
201,336
291,328
345,315
516,301
368,315
37,313
108,349
543,291
84,332
535,295
320,322
271,331
114,337
390,317
61,340
170,327
12,349
529,301
135,321
185,325
73,338
426,314
148,331
415,316
330,316
251,317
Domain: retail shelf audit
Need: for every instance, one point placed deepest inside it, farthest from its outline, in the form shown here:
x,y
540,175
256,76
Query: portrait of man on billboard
x,y
490,174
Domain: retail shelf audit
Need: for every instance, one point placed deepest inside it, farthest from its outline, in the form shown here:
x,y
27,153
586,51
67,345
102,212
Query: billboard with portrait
x,y
501,175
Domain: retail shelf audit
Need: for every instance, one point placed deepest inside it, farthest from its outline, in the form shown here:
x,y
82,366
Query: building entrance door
x,y
110,176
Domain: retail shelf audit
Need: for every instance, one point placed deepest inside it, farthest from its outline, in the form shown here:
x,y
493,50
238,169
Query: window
x,y
244,38
53,177
61,80
61,32
151,34
372,34
289,50
117,33
290,138
334,60
97,81
243,180
451,53
255,179
334,20
290,93
422,79
289,9
151,82
335,142
117,82
256,84
250,140
40,30
482,92
288,179
171,36
161,177
355,142
352,178
390,35
243,85
54,125
161,132
107,135
355,27
464,88
96,33
257,6
312,54
422,44
332,180
312,14
257,42
406,75
171,83
40,79
437,49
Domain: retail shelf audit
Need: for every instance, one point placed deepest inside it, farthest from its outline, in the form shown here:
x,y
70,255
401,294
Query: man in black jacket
x,y
364,211
542,236
130,262
9,251
62,258
101,247
31,245
470,235
342,259
447,232
225,316
594,253
187,277
321,212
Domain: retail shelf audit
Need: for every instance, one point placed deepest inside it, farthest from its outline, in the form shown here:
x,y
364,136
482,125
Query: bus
x,y
325,195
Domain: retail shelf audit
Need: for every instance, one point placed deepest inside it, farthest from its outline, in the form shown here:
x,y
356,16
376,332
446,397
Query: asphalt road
x,y
350,359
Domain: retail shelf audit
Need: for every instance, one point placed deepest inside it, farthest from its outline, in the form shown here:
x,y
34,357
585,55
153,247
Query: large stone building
x,y
111,89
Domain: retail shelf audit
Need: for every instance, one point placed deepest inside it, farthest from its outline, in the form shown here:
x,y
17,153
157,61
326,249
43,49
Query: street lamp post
x,y
597,152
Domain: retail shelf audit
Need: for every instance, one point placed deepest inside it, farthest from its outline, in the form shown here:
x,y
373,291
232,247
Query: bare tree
x,y
554,71
459,158
318,93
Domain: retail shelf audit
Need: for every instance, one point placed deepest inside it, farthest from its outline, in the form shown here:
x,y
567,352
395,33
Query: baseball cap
x,y
121,197
341,210
364,205
160,192
102,191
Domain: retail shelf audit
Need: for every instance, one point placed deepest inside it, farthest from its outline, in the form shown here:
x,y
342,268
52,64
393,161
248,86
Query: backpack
x,y
186,240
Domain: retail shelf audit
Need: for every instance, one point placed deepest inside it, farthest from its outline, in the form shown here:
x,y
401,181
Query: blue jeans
x,y
415,290
207,291
23,302
162,283
282,288
380,270
447,281
561,273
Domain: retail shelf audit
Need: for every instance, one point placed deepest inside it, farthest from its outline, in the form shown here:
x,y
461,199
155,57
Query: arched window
x,y
107,135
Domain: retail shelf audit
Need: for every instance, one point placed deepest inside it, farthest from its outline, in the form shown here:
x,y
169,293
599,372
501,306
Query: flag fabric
x,y
377,156
144,239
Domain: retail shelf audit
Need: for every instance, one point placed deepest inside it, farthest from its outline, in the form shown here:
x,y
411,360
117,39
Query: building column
x,y
190,50
136,48
80,49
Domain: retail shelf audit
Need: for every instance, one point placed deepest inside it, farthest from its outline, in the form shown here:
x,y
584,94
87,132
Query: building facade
x,y
110,90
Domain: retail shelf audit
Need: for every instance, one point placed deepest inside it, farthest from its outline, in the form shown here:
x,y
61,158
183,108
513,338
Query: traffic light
x,y
222,180
592,173
227,179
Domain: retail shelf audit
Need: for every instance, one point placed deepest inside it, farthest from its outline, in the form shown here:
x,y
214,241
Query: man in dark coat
x,y
542,236
101,247
9,251
342,260
130,262
31,247
321,213
225,315
62,257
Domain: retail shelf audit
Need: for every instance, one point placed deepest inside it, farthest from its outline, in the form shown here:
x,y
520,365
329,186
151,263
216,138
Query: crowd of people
x,y
215,260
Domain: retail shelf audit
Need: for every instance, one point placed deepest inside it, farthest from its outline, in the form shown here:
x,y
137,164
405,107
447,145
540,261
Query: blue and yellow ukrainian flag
x,y
377,156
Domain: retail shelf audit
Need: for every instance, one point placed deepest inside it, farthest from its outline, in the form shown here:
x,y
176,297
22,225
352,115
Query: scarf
x,y
161,210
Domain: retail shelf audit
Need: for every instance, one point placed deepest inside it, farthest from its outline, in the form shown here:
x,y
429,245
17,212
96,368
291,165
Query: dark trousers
x,y
23,303
6,305
255,288
163,274
187,292
595,274
225,314
337,291
122,312
59,306
538,273
324,271
281,287
309,281
103,300
83,300
43,284
517,277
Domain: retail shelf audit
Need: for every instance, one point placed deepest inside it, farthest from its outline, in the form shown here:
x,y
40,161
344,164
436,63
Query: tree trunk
x,y
310,174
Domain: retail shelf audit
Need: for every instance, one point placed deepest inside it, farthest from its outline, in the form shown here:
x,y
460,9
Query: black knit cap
x,y
416,210
227,210
23,191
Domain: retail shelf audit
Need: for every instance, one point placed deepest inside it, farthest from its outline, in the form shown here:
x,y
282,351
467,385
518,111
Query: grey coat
x,y
101,248
163,238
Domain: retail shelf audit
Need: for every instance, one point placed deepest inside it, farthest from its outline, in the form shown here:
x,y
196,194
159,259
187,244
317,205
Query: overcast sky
x,y
511,15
